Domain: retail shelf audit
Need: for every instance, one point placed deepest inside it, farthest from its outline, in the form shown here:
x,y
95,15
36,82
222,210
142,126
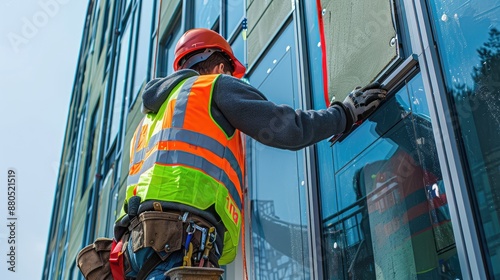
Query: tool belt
x,y
165,231
123,225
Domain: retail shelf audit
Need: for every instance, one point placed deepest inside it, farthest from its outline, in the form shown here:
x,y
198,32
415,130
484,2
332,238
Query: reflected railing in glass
x,y
393,220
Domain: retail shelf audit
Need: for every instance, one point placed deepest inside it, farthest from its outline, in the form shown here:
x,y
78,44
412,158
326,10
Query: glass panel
x,y
88,230
114,209
392,219
381,121
126,5
90,148
120,84
234,14
206,13
238,47
154,70
105,24
359,37
324,154
314,54
468,38
168,51
277,188
68,200
143,43
102,207
75,272
154,38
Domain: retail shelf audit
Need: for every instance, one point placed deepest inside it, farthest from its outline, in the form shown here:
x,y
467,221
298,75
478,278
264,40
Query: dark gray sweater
x,y
237,105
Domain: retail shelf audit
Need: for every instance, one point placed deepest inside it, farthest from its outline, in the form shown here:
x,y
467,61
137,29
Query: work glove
x,y
360,103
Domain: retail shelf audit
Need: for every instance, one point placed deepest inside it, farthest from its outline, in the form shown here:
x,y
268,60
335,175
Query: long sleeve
x,y
280,126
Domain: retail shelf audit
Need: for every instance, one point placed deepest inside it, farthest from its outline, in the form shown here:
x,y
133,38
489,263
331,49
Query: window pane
x,y
468,38
102,217
206,13
126,5
392,219
169,50
90,148
314,54
114,208
358,36
143,44
278,188
120,84
382,120
239,49
235,10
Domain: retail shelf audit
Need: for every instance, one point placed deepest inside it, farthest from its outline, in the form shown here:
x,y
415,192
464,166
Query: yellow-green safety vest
x,y
180,154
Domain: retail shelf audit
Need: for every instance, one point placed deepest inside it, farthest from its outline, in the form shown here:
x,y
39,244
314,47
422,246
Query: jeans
x,y
137,261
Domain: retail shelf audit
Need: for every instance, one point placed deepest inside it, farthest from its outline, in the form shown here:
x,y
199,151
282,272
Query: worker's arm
x,y
278,126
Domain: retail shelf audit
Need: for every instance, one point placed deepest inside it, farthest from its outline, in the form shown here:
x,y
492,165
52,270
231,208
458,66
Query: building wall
x,y
327,211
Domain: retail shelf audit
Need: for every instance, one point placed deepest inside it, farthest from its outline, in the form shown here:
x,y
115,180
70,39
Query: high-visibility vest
x,y
180,154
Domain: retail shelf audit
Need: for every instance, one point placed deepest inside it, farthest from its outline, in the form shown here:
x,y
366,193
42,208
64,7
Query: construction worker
x,y
185,190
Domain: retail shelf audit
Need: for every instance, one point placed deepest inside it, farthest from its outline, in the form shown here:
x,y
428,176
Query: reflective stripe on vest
x,y
157,154
193,138
139,147
181,103
169,157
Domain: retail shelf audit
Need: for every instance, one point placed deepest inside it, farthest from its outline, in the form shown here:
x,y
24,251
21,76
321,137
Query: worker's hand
x,y
361,102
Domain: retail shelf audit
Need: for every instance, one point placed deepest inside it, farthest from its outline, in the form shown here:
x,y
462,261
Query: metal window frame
x,y
391,76
466,236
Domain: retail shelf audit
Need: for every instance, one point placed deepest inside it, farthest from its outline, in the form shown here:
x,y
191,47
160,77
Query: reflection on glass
x,y
360,42
468,38
235,10
120,84
167,67
239,49
143,43
277,184
382,120
392,220
206,13
102,208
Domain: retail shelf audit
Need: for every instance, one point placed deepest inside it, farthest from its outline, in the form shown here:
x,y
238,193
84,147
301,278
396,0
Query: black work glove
x,y
360,103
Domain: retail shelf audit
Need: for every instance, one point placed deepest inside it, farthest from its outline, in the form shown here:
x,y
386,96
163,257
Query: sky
x,y
39,46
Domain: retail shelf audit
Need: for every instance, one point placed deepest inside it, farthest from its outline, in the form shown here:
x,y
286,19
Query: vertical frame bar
x,y
314,215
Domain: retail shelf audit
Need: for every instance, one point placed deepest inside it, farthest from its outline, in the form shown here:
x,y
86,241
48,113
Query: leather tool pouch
x,y
162,231
93,260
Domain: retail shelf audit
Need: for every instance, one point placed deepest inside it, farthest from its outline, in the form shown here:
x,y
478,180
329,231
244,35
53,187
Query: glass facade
x,y
234,15
383,207
206,13
278,201
143,45
378,204
388,215
121,81
169,49
468,41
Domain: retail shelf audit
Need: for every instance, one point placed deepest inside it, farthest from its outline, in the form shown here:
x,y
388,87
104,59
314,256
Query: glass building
x,y
413,192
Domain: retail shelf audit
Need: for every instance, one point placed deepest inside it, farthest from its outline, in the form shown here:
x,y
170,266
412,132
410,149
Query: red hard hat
x,y
201,38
